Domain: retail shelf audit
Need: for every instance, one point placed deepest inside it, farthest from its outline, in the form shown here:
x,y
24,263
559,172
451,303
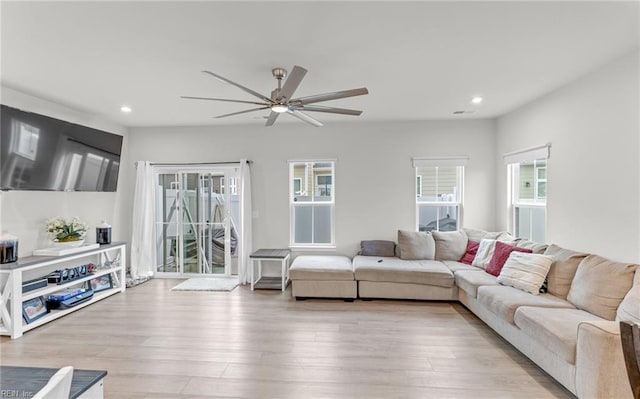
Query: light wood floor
x,y
157,343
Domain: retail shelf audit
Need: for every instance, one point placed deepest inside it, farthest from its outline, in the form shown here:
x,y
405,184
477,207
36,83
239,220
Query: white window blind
x,y
439,161
527,155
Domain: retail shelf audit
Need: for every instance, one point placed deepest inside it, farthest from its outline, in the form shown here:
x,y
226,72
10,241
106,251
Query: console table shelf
x,y
111,257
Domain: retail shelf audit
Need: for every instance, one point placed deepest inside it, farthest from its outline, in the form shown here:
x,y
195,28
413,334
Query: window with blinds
x,y
527,171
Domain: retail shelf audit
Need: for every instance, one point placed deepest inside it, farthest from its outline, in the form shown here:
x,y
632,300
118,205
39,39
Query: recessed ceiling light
x,y
125,109
476,100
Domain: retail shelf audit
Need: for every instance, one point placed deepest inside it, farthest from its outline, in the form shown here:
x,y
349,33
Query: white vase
x,y
68,244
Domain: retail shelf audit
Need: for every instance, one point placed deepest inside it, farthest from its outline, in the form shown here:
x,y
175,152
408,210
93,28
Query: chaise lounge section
x,y
570,329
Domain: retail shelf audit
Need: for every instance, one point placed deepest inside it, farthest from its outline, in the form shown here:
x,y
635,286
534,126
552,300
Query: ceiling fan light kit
x,y
281,100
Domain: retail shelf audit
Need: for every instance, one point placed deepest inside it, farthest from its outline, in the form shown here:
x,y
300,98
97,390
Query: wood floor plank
x,y
156,343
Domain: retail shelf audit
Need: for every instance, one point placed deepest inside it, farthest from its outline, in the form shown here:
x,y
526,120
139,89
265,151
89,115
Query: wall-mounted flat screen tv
x,y
38,152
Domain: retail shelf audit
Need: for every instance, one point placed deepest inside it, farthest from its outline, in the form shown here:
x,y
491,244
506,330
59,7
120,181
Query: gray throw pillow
x,y
377,248
415,245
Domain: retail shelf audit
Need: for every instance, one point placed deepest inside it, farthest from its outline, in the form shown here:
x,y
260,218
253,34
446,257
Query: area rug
x,y
208,284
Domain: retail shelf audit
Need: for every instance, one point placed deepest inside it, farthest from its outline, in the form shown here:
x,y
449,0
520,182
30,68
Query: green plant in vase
x,y
66,231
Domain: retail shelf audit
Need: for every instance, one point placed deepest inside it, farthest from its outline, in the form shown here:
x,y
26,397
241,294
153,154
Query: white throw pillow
x,y
484,254
525,271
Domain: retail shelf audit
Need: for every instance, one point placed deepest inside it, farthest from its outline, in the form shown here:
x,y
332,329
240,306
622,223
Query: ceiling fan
x,y
281,100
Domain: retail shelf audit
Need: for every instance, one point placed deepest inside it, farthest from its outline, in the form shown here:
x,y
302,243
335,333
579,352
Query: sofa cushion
x,y
564,266
629,309
600,285
484,254
377,248
478,235
507,237
470,254
556,329
500,255
504,301
469,281
415,245
394,270
321,267
450,245
535,247
456,266
525,271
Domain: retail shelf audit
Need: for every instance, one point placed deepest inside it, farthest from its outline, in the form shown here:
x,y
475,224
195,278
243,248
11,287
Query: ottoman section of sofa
x,y
323,276
395,278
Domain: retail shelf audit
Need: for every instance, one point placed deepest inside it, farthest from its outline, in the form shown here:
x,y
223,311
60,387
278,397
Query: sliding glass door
x,y
196,229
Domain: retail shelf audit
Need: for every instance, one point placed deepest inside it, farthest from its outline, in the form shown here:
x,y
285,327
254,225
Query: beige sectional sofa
x,y
571,331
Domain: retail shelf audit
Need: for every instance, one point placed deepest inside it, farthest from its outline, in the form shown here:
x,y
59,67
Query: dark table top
x,y
24,382
270,253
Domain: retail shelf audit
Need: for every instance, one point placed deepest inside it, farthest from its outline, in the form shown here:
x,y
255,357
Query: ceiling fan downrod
x,y
279,74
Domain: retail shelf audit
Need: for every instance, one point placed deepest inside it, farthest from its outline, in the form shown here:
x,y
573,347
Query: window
x,y
312,201
527,171
438,193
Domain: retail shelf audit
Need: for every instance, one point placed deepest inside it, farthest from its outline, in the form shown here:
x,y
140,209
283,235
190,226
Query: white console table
x,y
110,259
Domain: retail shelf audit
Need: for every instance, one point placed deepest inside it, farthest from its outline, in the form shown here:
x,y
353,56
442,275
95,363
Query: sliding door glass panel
x,y
193,222
167,223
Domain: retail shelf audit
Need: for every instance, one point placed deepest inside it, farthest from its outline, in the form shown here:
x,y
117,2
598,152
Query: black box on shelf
x,y
34,284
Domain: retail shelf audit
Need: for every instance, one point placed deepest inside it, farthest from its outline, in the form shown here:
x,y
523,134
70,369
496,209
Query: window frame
x,y
457,162
514,161
330,204
517,204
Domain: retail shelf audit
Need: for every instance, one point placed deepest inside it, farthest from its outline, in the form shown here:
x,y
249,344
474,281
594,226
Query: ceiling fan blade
x,y
304,117
330,96
241,112
272,118
320,108
292,82
241,87
221,99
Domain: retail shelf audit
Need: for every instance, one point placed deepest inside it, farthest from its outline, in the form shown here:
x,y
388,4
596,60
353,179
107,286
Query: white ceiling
x,y
419,60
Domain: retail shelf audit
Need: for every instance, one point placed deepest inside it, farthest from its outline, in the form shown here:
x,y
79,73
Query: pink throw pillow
x,y
500,256
472,250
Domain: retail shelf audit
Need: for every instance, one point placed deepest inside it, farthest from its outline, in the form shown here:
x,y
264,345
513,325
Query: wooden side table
x,y
270,283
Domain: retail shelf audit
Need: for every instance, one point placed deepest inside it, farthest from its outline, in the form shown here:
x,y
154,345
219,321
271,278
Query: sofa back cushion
x,y
600,285
525,271
478,235
416,245
563,269
450,245
500,256
629,309
377,248
535,247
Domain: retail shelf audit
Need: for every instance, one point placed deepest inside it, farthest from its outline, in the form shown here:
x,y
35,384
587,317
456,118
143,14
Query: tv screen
x,y
38,152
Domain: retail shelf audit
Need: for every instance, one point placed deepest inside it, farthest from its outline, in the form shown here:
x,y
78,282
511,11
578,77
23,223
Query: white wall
x,y
23,213
375,181
594,170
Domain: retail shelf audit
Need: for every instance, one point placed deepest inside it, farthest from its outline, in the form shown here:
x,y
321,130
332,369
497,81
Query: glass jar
x,y
8,248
